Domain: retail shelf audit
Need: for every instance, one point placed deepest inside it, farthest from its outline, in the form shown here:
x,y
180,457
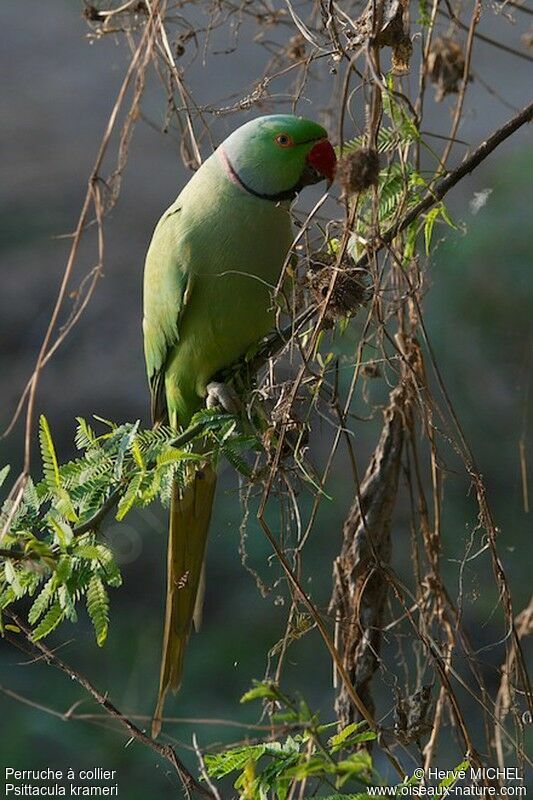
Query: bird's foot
x,y
222,395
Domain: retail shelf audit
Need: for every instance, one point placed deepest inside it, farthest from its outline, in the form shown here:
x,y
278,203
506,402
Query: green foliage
x,y
452,777
57,559
350,735
98,608
260,689
389,139
424,16
285,765
49,622
400,184
272,768
4,472
48,455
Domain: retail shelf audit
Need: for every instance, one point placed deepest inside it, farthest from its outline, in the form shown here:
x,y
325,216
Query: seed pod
x,y
446,66
350,291
358,170
370,370
401,55
296,48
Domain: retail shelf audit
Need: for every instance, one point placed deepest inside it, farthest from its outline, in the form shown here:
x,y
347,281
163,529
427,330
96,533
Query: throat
x,y
234,177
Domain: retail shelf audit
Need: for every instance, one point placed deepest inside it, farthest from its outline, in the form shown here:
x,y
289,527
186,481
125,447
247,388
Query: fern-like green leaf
x,y
4,472
171,455
87,551
349,736
85,436
112,572
220,764
49,622
64,569
7,596
429,224
137,453
67,603
41,602
30,497
211,418
154,437
260,690
48,454
236,460
130,495
63,531
125,443
389,139
12,577
98,608
63,504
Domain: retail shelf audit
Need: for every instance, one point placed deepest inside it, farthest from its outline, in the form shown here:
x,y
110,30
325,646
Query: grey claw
x,y
222,395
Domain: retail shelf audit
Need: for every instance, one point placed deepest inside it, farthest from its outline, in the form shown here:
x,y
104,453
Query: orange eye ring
x,y
284,140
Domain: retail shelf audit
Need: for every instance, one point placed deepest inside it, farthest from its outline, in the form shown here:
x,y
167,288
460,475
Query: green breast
x,y
235,245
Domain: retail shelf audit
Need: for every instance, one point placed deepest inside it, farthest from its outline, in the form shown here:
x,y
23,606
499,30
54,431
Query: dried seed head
x,y
401,56
350,290
287,415
370,370
412,716
446,65
320,259
358,170
296,47
395,34
92,13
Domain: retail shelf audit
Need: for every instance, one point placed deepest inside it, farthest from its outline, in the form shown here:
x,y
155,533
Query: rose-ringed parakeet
x,y
215,258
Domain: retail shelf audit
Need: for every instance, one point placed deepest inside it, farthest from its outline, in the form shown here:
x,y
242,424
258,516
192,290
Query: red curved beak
x,y
323,159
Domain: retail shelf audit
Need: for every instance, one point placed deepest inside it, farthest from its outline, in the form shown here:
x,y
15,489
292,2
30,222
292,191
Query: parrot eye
x,y
283,140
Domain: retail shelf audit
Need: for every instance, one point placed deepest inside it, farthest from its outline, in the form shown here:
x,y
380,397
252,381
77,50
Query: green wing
x,y
167,285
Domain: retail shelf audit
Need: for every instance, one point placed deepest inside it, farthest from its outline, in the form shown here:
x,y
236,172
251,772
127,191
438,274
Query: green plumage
x,y
214,260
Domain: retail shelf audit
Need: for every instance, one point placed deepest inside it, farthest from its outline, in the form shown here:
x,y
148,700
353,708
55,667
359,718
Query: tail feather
x,y
190,513
199,604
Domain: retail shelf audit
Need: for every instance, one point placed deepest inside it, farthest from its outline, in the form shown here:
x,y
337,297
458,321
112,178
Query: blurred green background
x,y
58,91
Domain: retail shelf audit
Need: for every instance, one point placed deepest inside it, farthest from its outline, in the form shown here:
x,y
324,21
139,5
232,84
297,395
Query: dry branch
x,y
359,583
442,188
29,645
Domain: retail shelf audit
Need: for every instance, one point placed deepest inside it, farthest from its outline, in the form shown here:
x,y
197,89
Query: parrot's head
x,y
273,157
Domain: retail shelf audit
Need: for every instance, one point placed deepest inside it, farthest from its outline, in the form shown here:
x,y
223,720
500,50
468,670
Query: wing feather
x,y
167,285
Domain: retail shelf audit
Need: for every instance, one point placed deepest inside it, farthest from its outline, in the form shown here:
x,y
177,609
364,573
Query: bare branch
x,y
190,784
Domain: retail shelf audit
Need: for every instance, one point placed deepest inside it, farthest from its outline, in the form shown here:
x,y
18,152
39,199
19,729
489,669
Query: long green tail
x,y
190,513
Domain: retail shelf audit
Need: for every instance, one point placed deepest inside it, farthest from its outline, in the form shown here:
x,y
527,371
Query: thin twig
x,y
166,751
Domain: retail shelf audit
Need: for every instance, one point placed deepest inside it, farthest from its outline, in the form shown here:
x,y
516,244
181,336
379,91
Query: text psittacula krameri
x,y
213,262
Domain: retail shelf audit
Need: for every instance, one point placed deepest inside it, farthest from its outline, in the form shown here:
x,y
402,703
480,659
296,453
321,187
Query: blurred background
x,y
58,90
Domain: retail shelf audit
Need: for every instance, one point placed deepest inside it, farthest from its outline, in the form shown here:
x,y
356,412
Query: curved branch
x,y
166,751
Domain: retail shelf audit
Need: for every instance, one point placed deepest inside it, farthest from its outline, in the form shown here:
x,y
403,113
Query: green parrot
x,y
213,263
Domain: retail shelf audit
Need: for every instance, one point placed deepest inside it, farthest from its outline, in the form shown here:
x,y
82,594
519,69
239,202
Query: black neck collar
x,y
278,197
